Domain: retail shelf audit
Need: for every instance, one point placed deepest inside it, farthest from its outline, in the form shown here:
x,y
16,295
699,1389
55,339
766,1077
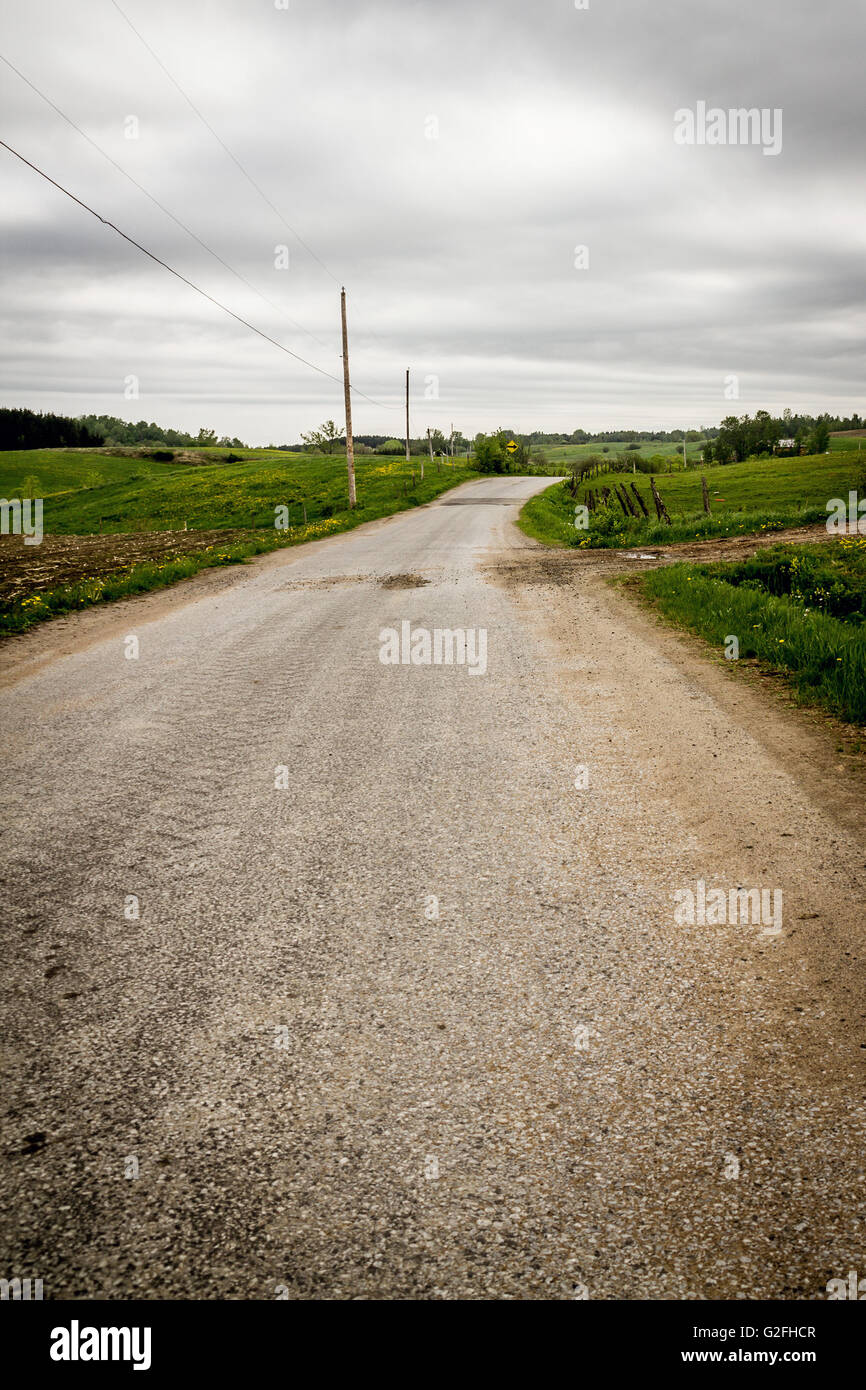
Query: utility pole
x,y
407,416
347,390
685,460
430,446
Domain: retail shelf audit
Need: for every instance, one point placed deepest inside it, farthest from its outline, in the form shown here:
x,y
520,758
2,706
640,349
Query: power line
x,y
237,274
177,274
232,156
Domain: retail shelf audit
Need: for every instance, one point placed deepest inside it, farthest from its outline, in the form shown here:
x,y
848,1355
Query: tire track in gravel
x,y
325,1089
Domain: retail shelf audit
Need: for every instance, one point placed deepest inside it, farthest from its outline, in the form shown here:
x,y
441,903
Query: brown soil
x,y
27,569
716,548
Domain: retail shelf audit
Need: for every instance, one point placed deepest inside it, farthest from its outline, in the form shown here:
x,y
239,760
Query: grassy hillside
x,y
760,494
64,470
86,493
849,441
565,455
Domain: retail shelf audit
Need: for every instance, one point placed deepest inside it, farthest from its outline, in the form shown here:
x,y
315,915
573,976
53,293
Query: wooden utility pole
x,y
347,390
430,446
407,414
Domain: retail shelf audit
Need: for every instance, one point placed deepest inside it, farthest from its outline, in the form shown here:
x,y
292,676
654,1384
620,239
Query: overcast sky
x,y
443,159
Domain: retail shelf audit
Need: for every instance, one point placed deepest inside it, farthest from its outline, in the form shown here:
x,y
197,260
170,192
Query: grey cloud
x,y
554,130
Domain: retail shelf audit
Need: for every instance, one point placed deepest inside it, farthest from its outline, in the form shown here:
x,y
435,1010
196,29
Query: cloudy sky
x,y
445,160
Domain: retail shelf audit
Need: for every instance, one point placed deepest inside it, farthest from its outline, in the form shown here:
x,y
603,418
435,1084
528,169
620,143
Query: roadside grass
x,y
829,577
797,609
746,498
545,518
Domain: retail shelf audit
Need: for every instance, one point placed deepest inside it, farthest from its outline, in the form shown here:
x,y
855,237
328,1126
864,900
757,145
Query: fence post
x,y
641,502
661,509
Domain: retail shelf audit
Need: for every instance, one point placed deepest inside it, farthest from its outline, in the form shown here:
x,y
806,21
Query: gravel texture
x,y
328,1091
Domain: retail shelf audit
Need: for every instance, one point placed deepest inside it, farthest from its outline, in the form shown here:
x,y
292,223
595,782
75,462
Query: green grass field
x,y
566,455
64,470
758,495
798,609
135,494
852,442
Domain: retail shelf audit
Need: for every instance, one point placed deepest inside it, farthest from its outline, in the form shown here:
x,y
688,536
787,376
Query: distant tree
x,y
819,439
324,440
205,438
491,455
392,446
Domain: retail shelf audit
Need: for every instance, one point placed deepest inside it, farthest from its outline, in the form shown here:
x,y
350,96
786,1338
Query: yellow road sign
x,y
511,446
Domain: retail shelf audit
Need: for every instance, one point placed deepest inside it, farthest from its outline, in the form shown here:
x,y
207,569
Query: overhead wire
x,y
177,221
232,156
230,152
158,260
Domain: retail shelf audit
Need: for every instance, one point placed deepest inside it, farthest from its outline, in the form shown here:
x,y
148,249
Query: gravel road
x,y
419,1021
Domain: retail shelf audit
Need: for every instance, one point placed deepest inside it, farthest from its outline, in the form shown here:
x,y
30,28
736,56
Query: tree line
x,y
751,436
127,432
30,429
27,429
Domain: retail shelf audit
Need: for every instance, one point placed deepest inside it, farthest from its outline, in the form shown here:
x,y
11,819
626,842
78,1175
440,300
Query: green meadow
x,y
91,492
751,497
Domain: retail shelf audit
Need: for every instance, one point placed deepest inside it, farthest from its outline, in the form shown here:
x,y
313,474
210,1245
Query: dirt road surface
x,y
420,1023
